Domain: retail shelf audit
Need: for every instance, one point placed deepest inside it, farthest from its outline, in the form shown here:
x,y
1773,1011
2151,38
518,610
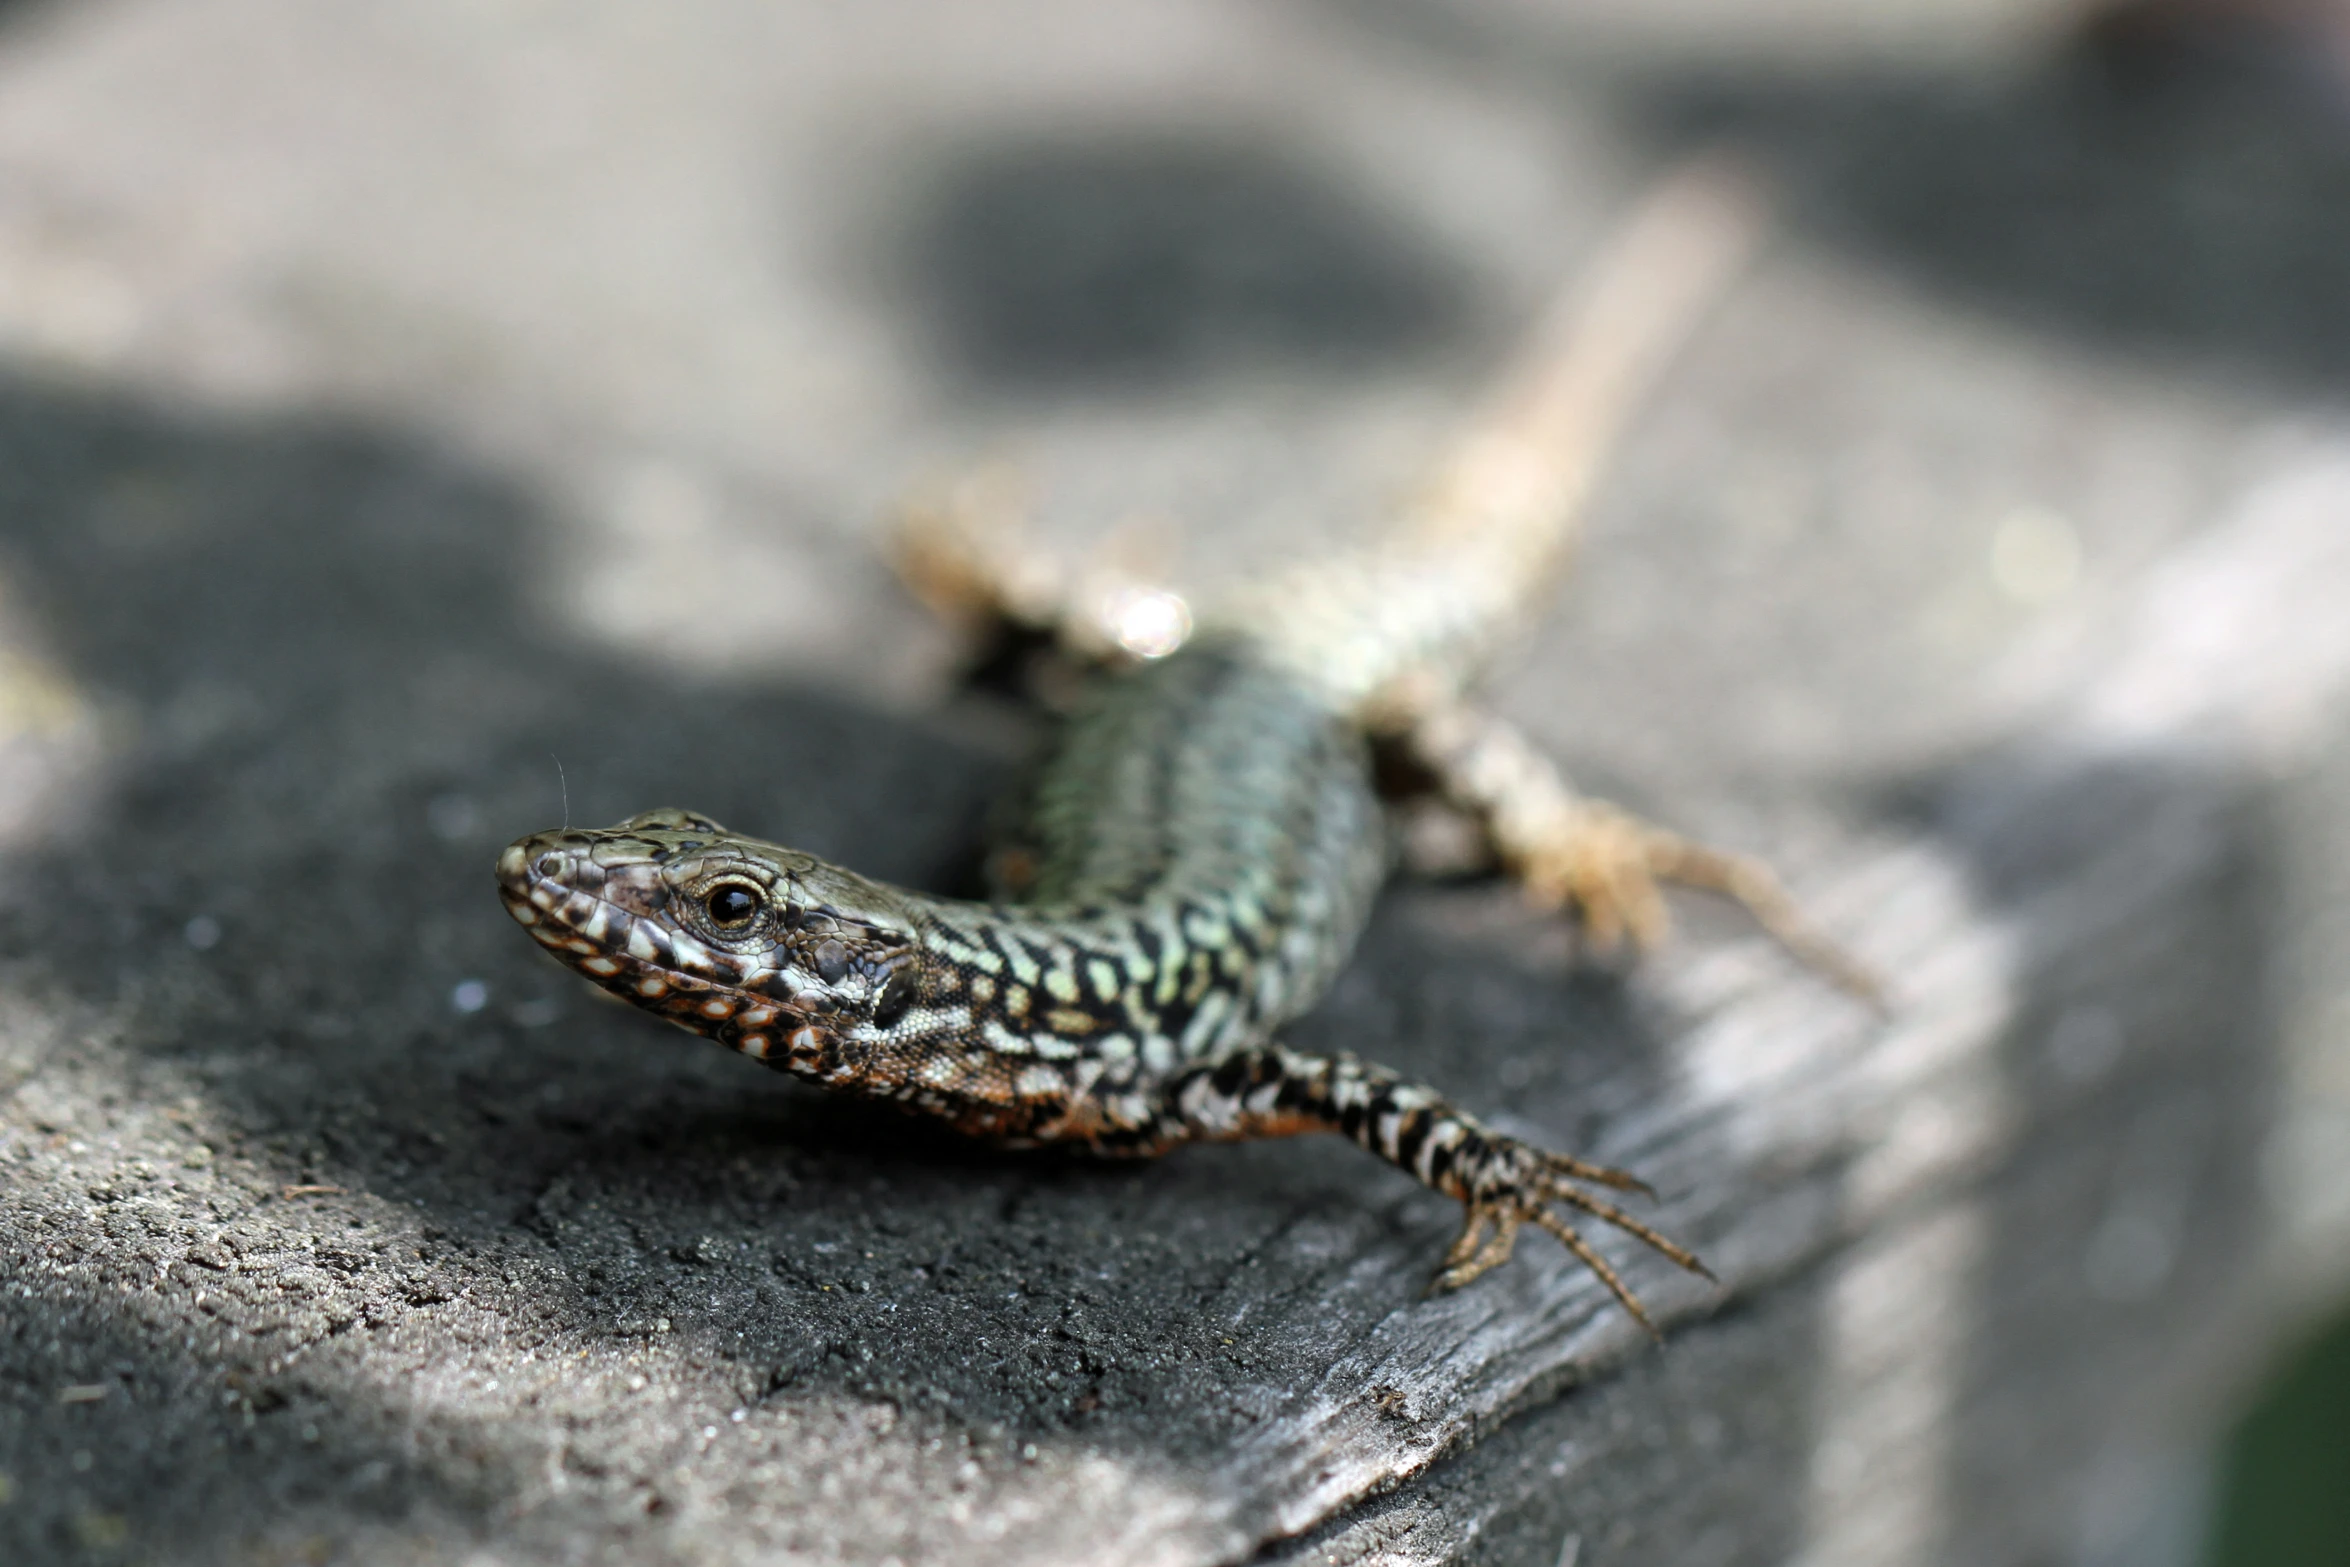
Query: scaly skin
x,y
1200,850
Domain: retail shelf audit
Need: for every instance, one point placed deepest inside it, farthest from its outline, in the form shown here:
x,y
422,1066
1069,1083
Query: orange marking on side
x,y
1278,1123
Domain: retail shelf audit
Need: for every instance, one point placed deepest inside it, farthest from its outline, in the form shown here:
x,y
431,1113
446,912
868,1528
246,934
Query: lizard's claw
x,y
1514,1184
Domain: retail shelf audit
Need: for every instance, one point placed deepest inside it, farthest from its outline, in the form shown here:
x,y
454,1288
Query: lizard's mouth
x,y
589,907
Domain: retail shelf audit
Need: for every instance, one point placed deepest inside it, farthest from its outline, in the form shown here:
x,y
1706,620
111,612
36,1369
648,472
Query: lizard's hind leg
x,y
1595,859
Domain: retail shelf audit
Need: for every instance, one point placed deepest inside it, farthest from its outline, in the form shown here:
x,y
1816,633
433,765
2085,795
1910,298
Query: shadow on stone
x,y
332,701
1141,262
2176,190
2153,200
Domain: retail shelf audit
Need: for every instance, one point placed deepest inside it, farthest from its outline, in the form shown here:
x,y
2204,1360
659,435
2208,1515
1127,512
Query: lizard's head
x,y
765,949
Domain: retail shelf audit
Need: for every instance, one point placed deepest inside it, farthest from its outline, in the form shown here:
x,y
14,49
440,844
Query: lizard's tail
x,y
1413,616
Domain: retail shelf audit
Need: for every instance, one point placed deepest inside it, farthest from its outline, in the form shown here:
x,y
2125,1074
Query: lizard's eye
x,y
731,905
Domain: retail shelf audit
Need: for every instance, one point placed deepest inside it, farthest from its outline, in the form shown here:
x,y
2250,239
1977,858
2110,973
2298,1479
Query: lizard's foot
x,y
1596,860
1605,865
1513,1184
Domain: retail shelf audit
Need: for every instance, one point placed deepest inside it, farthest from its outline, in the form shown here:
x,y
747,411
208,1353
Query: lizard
x,y
1200,847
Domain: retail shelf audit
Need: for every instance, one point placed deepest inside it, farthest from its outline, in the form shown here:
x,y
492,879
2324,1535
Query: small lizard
x,y
1203,842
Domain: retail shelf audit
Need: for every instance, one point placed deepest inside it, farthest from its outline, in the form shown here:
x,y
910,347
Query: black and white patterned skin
x,y
1196,857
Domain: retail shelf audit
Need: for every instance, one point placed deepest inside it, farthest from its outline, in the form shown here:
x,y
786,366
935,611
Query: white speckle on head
x,y
689,953
642,946
806,1042
717,1006
754,1045
602,968
653,987
523,913
599,924
549,938
759,1017
583,948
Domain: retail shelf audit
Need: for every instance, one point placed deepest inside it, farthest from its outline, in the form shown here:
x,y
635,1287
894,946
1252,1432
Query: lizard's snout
x,y
515,866
598,901
592,882
542,863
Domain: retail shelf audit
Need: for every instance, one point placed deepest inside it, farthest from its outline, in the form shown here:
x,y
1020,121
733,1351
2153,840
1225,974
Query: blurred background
x,y
396,398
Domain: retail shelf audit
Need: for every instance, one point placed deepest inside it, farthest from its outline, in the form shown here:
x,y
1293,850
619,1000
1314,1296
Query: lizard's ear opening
x,y
899,992
670,818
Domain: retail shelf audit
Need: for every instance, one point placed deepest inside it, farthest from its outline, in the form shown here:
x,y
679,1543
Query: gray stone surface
x,y
399,400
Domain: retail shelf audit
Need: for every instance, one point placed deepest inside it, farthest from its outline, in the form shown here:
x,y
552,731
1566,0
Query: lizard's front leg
x,y
1503,1183
965,551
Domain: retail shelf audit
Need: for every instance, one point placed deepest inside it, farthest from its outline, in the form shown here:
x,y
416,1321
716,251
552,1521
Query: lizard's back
x,y
1200,848
1221,812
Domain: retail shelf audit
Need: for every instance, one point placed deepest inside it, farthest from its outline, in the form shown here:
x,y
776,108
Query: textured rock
x,y
420,423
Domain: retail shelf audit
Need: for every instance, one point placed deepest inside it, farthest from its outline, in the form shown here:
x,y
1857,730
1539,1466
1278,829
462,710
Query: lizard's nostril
x,y
549,865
